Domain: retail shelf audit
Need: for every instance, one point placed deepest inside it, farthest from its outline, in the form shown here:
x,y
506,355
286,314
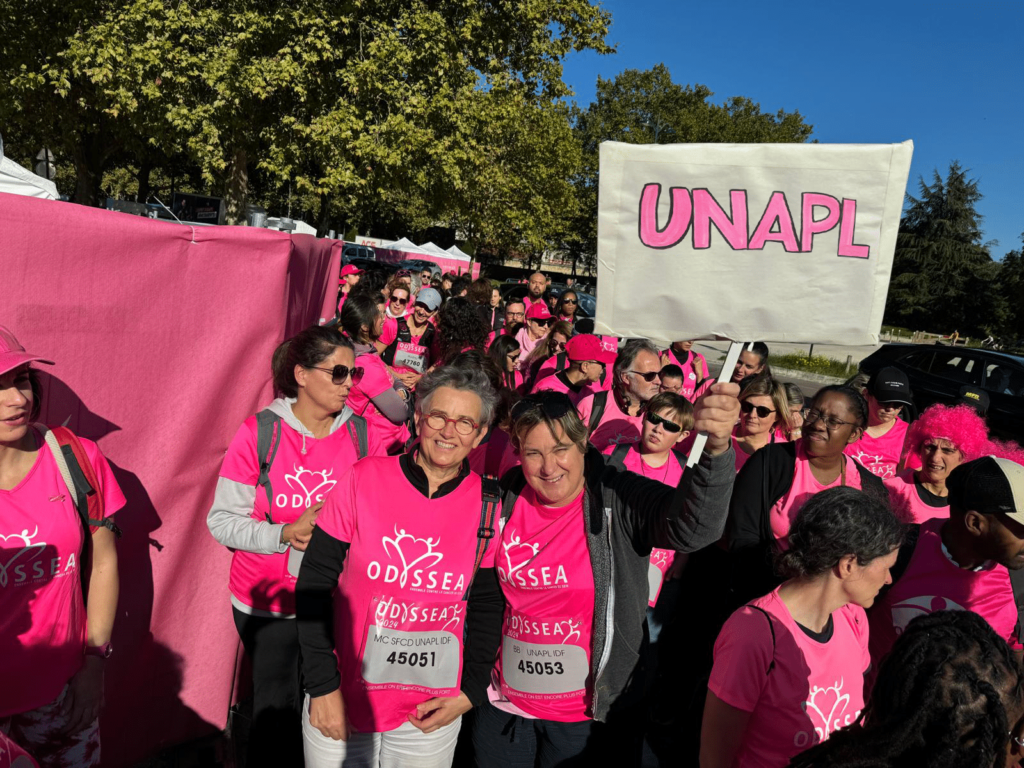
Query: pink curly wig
x,y
960,425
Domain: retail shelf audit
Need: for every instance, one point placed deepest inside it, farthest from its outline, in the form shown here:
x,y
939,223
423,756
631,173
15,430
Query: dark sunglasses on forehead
x,y
762,410
554,405
403,273
648,377
341,372
669,426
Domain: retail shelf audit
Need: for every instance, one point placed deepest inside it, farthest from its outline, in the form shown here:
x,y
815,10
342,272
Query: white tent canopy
x,y
17,180
434,249
459,254
407,246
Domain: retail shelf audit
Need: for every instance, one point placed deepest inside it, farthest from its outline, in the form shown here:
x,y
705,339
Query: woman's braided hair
x,y
940,701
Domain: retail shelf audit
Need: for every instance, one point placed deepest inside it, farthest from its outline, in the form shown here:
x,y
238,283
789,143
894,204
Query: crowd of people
x,y
505,560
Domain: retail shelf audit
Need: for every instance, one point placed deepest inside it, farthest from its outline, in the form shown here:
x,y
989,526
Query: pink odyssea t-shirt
x,y
805,485
42,613
814,689
376,379
408,568
298,482
543,563
693,366
669,473
933,582
615,426
880,455
906,500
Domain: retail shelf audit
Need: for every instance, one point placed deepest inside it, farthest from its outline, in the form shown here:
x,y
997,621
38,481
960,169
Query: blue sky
x,y
949,76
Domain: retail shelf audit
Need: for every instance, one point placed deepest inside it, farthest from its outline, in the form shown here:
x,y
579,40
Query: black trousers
x,y
501,740
275,738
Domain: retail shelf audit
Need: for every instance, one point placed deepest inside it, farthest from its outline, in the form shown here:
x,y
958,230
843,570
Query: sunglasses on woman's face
x,y
401,302
569,301
668,426
341,372
762,410
542,323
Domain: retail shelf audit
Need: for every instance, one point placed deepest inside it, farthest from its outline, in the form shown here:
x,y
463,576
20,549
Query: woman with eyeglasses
x,y
379,396
881,446
398,292
558,336
572,558
538,322
406,344
950,694
789,667
399,608
764,411
505,352
568,307
267,520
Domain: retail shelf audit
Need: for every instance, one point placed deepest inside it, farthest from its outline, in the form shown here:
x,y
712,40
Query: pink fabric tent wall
x,y
445,263
163,335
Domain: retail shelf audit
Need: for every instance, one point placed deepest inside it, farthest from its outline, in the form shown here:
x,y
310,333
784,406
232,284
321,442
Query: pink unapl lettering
x,y
776,224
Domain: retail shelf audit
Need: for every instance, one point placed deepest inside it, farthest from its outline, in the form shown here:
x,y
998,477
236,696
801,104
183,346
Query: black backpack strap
x,y
1017,584
597,411
681,458
771,628
357,429
268,440
560,361
490,502
618,456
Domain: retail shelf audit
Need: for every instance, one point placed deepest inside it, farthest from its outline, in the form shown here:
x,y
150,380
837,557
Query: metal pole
x,y
811,353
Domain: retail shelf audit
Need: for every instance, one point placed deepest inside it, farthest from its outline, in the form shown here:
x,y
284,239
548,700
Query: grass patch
x,y
826,366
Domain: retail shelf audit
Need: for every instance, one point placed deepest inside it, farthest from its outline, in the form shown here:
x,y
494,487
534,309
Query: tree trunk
x,y
144,189
90,159
237,189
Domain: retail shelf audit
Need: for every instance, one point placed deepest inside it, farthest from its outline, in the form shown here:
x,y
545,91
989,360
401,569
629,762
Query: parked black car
x,y
372,264
937,373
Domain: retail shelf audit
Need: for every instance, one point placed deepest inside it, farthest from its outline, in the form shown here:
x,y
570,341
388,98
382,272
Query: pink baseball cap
x,y
12,354
350,269
538,311
586,346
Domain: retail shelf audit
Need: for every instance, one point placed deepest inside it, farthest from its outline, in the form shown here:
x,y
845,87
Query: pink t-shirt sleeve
x,y
376,378
337,517
743,653
241,463
390,332
113,498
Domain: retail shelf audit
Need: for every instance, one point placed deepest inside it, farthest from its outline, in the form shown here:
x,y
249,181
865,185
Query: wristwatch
x,y
102,651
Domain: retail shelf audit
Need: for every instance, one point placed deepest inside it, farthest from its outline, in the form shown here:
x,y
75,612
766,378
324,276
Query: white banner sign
x,y
767,242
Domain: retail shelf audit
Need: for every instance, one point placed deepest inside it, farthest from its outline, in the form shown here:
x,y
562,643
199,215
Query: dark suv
x,y
937,373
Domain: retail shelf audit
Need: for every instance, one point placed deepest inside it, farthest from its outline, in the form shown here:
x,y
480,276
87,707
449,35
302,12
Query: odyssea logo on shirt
x,y
392,613
517,556
414,562
826,708
310,486
24,562
874,464
908,610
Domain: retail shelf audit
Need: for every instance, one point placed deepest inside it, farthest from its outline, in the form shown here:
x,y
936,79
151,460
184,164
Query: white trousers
x,y
405,747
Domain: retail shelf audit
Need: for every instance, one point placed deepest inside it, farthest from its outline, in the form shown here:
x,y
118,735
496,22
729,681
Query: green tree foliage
x,y
943,278
425,112
646,107
1011,289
